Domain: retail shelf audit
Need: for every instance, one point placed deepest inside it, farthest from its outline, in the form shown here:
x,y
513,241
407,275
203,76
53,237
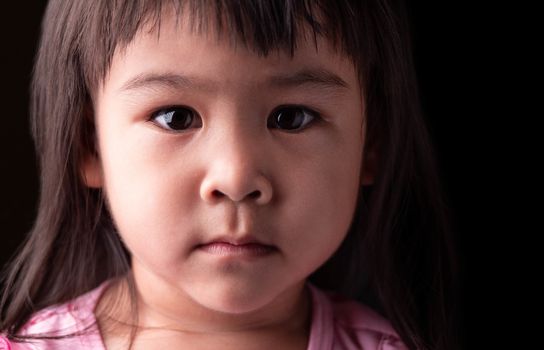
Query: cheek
x,y
324,196
148,202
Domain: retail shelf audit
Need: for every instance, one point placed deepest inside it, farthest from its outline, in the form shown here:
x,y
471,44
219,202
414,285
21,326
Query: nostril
x,y
252,195
217,194
255,194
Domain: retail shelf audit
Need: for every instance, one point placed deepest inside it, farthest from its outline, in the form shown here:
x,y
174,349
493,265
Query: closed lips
x,y
219,247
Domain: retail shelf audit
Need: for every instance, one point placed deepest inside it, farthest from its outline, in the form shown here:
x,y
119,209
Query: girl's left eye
x,y
292,118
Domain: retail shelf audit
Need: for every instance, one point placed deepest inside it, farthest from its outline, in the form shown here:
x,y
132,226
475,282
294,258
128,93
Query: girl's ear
x,y
368,170
91,166
91,171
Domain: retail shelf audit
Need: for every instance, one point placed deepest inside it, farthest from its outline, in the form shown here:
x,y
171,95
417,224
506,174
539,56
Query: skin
x,y
227,174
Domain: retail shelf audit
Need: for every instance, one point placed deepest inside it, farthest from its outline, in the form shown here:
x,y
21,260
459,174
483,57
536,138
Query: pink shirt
x,y
337,324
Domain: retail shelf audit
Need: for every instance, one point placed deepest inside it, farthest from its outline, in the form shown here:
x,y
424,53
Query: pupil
x,y
177,120
290,119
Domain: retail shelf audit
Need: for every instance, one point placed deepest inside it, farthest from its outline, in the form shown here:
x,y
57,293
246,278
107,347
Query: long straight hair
x,y
400,249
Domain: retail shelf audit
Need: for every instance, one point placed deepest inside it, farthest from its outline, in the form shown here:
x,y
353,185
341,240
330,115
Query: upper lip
x,y
230,239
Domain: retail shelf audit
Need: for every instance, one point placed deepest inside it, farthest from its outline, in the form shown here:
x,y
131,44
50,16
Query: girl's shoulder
x,y
341,323
69,325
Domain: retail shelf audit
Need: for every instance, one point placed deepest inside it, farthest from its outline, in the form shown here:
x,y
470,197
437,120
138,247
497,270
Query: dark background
x,y
445,44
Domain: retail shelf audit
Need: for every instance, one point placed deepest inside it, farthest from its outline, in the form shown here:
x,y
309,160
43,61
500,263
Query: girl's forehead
x,y
174,45
173,31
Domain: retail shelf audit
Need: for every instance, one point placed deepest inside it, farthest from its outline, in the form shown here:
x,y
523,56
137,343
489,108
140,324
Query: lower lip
x,y
250,249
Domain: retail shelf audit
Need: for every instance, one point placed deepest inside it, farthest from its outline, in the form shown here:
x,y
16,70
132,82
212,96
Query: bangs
x,y
259,25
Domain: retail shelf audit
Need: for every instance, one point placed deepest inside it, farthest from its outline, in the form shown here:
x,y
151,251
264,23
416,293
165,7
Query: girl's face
x,y
200,142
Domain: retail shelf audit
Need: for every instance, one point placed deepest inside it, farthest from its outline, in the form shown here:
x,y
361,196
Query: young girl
x,y
231,175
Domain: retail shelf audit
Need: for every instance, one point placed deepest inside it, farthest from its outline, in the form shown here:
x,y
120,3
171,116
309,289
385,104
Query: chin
x,y
233,299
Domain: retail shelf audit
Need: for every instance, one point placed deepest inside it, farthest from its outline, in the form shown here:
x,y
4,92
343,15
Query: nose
x,y
235,172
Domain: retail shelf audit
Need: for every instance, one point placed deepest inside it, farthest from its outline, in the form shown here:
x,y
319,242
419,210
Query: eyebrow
x,y
318,78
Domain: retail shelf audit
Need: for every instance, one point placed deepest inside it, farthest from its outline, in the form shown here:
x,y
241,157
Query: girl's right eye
x,y
176,118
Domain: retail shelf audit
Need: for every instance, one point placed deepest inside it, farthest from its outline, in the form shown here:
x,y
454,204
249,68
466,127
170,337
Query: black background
x,y
445,43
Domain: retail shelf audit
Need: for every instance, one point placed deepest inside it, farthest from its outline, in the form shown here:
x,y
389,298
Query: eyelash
x,y
315,117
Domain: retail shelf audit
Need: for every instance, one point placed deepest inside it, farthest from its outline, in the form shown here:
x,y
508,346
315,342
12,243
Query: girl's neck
x,y
290,330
